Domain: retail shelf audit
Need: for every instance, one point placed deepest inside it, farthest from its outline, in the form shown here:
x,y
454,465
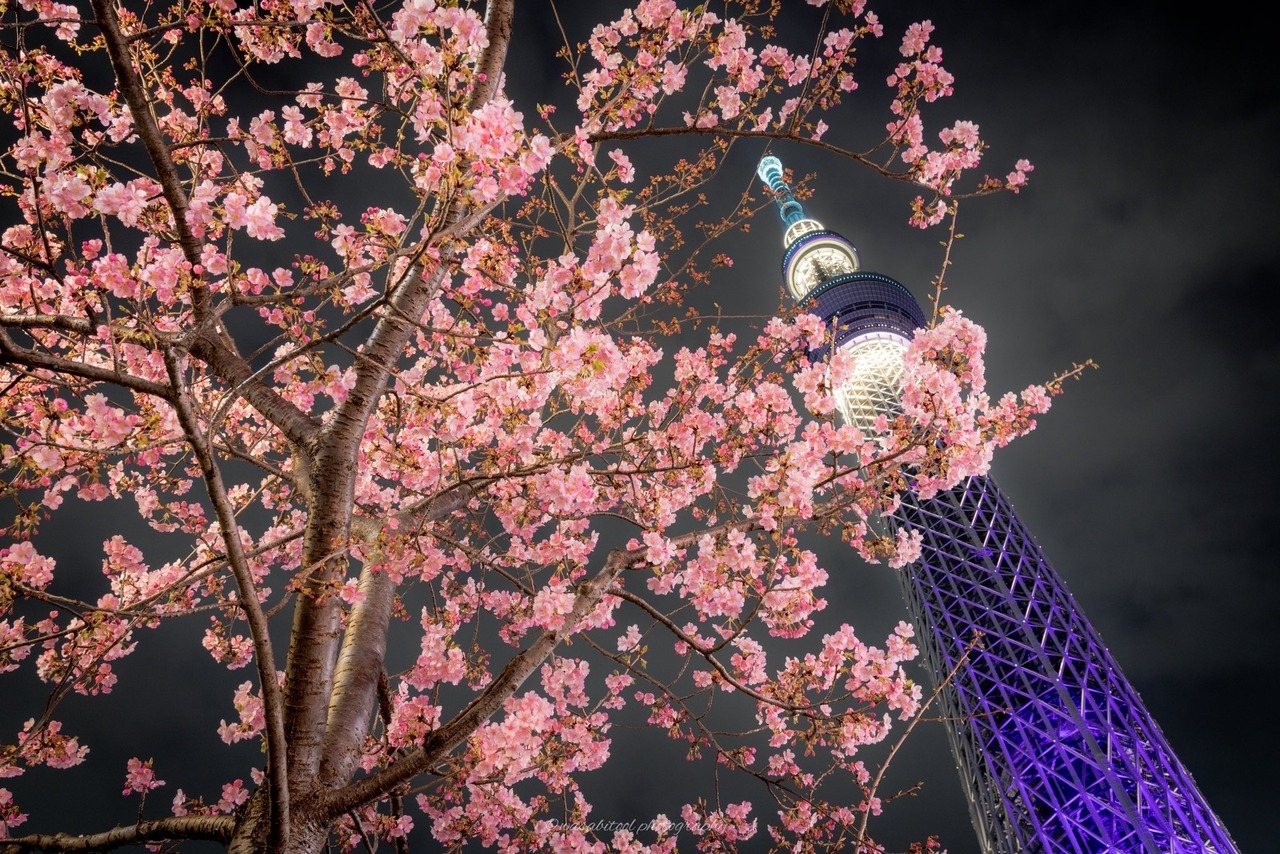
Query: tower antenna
x,y
789,208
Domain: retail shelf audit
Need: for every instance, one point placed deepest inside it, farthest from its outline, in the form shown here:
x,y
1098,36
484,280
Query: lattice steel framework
x,y
1056,751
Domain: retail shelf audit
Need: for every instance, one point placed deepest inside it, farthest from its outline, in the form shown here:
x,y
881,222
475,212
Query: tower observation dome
x,y
1055,749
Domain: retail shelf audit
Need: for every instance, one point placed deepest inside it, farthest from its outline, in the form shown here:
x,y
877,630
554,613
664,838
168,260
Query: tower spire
x,y
770,171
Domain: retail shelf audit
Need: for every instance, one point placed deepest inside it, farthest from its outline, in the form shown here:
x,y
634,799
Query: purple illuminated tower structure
x,y
1055,750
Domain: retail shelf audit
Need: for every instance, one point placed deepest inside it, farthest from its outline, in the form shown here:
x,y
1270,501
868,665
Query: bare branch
x,y
259,630
217,828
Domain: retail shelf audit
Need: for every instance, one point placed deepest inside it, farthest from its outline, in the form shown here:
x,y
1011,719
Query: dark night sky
x,y
1147,241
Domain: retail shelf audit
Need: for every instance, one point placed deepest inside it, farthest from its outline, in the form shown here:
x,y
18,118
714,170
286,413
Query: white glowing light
x,y
875,385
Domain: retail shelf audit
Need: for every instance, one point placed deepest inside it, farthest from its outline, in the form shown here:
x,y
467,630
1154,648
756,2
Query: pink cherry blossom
x,y
140,778
10,817
252,719
626,172
233,795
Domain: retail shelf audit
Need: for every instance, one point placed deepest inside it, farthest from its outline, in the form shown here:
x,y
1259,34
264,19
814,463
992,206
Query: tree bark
x,y
317,617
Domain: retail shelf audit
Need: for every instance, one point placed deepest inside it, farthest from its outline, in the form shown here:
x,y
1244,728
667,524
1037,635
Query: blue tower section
x,y
1055,749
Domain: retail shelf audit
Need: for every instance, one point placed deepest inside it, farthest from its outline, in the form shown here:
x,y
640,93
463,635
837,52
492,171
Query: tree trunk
x,y
251,826
306,836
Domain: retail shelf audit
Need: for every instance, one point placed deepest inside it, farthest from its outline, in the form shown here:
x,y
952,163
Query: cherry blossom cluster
x,y
10,817
922,79
39,743
644,59
945,403
140,778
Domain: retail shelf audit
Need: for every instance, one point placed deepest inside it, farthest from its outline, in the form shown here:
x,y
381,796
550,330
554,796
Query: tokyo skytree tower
x,y
1055,749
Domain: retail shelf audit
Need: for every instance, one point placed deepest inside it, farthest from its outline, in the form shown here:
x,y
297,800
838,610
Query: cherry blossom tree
x,y
431,412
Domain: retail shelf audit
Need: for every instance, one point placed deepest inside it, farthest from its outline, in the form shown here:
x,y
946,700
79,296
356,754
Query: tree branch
x,y
788,136
297,426
919,716
12,354
445,739
213,827
144,121
264,655
707,654
364,649
497,22
210,345
311,668
364,644
314,643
